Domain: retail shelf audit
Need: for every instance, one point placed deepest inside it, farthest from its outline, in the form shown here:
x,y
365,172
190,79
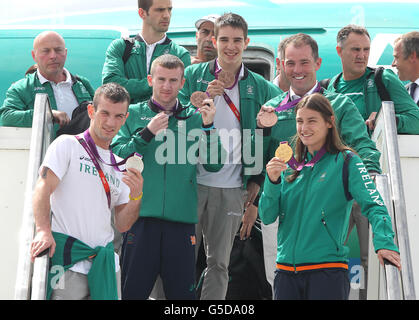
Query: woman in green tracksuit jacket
x,y
17,109
132,73
313,210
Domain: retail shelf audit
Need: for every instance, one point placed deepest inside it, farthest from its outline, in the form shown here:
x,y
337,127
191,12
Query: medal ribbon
x,y
298,166
92,146
226,97
233,108
175,110
285,105
91,149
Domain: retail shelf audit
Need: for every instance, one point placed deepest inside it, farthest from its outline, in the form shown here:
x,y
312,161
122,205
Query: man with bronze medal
x,y
301,61
238,94
171,138
81,182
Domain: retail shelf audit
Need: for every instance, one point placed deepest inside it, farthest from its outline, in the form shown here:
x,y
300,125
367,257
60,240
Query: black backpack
x,y
79,122
247,277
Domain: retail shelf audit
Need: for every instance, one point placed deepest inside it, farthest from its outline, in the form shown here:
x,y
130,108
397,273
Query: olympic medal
x,y
284,152
268,119
135,162
227,78
197,98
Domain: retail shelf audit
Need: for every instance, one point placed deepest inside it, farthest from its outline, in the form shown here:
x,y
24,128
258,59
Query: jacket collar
x,y
152,106
43,80
156,109
212,65
139,38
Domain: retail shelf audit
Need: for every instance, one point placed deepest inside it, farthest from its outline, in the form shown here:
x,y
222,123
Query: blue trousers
x,y
152,247
322,284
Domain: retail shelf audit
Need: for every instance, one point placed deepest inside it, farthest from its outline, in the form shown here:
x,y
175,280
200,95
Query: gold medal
x,y
227,78
135,162
284,152
197,98
268,119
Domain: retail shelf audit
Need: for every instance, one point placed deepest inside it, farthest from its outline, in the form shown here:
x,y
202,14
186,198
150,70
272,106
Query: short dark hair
x,y
167,61
111,91
233,20
344,33
410,43
145,4
301,39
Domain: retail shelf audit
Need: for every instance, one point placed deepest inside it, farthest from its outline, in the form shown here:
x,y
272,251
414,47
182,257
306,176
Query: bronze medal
x,y
135,162
268,119
197,98
284,152
227,78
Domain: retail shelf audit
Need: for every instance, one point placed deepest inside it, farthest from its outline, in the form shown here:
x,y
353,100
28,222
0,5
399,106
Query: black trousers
x,y
321,284
154,247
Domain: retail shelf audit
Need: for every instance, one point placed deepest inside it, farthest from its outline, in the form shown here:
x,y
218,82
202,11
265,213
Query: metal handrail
x,y
385,136
392,281
40,139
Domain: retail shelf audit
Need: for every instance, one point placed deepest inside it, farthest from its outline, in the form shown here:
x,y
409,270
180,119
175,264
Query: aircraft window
x,y
260,60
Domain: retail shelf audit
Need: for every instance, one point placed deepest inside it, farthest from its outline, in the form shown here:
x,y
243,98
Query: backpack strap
x,y
324,83
345,174
378,79
129,43
335,83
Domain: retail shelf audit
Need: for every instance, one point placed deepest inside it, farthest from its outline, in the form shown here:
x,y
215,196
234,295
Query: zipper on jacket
x,y
280,219
328,231
164,181
385,226
299,225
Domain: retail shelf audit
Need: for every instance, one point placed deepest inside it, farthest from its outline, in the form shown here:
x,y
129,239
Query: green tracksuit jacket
x,y
101,277
133,75
407,112
349,122
254,91
170,187
314,213
17,109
